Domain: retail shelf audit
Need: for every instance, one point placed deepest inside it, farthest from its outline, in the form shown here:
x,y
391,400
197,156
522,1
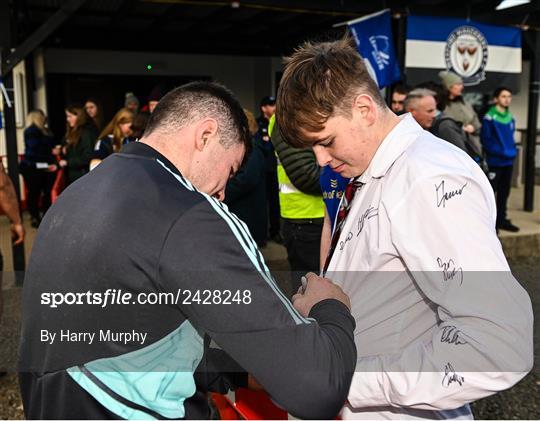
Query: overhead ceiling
x,y
245,27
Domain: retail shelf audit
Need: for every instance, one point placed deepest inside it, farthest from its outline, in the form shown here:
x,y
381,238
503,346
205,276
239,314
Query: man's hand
x,y
17,233
469,128
317,289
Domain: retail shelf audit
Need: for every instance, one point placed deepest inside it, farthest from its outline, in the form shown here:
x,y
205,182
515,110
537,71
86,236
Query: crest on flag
x,y
485,56
466,53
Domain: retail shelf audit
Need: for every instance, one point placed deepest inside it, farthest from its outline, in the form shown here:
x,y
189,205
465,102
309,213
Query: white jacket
x,y
440,320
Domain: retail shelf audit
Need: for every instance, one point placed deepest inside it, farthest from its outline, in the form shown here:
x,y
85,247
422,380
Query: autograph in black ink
x,y
368,214
443,196
348,238
450,376
450,271
450,335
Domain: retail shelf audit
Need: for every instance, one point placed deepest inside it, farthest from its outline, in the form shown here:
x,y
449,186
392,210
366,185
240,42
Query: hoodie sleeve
x,y
305,364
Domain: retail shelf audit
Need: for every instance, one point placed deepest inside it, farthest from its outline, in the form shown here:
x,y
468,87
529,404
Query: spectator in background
x,y
78,143
38,164
422,104
94,111
245,193
132,102
399,93
155,96
498,129
268,108
458,109
116,134
139,125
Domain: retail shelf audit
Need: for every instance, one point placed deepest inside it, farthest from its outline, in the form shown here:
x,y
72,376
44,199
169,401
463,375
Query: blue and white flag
x,y
470,49
373,35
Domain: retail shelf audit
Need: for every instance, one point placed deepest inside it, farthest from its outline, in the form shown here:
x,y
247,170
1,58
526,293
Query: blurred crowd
x,y
280,192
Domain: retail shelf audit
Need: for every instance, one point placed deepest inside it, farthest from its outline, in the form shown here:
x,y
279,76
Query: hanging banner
x,y
483,55
374,41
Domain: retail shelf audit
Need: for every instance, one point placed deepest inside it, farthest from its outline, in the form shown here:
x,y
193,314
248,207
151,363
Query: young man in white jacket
x,y
440,320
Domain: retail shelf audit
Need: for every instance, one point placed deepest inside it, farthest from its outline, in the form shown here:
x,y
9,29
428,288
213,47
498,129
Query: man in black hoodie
x,y
158,294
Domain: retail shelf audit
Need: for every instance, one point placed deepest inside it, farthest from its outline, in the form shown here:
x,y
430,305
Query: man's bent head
x,y
328,100
202,129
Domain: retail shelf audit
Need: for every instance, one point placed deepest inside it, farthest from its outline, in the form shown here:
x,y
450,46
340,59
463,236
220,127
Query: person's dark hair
x,y
98,119
139,124
73,134
268,100
499,90
321,80
194,101
400,88
157,93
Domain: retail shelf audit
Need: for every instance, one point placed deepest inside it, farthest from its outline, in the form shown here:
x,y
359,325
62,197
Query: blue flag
x,y
373,35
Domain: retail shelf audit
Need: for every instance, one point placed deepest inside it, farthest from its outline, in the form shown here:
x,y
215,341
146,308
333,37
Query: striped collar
x,y
142,149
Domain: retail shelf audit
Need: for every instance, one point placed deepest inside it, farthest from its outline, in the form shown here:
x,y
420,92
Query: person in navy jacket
x,y
38,165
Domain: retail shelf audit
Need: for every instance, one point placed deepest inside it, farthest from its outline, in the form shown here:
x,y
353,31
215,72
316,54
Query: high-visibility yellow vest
x,y
293,203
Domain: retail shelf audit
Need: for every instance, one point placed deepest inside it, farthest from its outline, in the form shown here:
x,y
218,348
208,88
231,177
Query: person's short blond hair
x,y
252,122
39,119
321,80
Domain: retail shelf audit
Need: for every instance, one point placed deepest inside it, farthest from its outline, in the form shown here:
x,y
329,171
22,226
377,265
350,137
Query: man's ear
x,y
206,130
365,108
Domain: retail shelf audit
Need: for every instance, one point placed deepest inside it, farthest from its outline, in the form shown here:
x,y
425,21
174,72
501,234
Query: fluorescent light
x,y
506,4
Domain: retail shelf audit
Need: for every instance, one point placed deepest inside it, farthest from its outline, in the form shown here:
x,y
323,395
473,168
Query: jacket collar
x,y
143,150
393,145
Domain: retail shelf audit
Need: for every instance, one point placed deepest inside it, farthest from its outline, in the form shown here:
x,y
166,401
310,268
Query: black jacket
x,y
37,148
78,156
135,225
245,194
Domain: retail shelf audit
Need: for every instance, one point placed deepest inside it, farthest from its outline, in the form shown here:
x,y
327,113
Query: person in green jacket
x,y
78,143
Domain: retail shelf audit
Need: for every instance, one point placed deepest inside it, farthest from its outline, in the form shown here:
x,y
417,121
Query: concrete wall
x,y
250,78
40,93
520,102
